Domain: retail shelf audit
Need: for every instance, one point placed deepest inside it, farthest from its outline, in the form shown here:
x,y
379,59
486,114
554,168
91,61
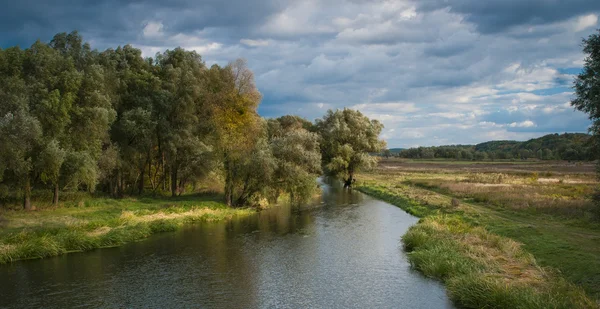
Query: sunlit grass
x,y
483,270
549,213
102,223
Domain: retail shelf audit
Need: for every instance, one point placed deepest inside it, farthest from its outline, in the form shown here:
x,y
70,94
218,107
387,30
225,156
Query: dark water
x,y
345,254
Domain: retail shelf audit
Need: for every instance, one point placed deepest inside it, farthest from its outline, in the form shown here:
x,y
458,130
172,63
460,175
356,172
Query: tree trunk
x,y
111,188
348,183
141,182
228,184
27,194
55,197
173,181
120,187
162,163
181,187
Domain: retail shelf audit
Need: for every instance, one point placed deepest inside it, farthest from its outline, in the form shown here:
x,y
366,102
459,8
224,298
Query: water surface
x,y
344,254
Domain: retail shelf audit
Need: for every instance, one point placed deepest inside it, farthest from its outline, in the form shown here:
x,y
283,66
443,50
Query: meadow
x,y
499,234
82,223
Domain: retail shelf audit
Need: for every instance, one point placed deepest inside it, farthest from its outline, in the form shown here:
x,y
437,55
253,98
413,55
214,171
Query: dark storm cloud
x,y
493,16
22,22
433,71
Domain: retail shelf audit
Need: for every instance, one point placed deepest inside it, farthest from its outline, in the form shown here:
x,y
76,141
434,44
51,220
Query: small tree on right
x,y
348,138
587,92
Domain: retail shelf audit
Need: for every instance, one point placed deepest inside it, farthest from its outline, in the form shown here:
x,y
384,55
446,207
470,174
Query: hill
x,y
567,146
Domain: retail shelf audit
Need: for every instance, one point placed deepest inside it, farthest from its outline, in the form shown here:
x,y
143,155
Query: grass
x,y
508,241
98,222
483,270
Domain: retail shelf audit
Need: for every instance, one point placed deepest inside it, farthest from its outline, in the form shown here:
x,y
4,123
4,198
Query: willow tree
x,y
233,100
297,158
347,139
183,120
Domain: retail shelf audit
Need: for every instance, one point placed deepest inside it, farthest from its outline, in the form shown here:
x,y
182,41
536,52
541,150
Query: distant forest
x,y
567,146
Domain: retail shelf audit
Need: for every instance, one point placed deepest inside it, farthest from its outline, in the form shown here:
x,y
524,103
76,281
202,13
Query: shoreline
x,y
479,269
51,232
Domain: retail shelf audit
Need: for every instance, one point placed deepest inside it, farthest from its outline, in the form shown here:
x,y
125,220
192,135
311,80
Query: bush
x,y
493,178
455,203
534,177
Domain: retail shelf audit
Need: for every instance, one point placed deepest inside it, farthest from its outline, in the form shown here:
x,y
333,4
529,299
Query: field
x,y
85,223
541,208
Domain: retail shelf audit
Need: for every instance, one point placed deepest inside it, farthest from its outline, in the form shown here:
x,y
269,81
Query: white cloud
x,y
429,76
153,29
585,22
392,107
254,43
524,124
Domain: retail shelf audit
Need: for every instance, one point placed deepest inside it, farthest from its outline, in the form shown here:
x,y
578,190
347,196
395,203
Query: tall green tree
x,y
20,137
233,101
297,158
183,116
347,139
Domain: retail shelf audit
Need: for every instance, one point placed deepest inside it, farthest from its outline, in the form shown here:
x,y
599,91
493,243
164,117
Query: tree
x,y
20,135
297,158
587,85
347,138
233,100
587,91
49,163
184,114
480,155
73,118
427,153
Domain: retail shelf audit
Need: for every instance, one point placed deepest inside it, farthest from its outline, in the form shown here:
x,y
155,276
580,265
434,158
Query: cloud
x,y
254,43
495,16
524,124
153,30
433,71
585,22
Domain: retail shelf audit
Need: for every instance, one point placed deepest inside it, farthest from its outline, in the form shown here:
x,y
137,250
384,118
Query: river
x,y
345,253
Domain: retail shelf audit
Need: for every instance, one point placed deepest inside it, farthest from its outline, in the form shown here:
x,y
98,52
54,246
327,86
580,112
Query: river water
x,y
346,253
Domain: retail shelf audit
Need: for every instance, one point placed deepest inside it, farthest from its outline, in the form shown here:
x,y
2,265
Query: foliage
x,y
73,118
96,223
347,138
551,218
567,146
298,158
587,92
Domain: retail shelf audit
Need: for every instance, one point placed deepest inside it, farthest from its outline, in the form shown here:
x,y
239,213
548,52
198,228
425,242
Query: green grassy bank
x,y
98,222
480,269
505,240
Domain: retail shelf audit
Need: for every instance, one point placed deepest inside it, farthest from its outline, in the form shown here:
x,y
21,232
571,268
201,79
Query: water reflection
x,y
343,254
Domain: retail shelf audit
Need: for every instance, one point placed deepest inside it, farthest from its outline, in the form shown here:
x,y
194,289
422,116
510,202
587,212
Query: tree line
x,y
75,118
567,146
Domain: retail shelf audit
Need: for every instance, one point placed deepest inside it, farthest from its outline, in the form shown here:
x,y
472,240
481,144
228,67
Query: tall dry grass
x,y
483,270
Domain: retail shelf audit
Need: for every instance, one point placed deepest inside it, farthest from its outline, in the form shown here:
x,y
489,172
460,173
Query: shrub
x,y
455,203
494,178
534,177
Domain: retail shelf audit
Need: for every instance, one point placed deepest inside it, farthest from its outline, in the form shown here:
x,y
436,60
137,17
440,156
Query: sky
x,y
435,72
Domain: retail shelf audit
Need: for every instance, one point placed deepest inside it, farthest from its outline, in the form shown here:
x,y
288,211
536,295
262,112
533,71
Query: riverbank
x,y
498,239
102,222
